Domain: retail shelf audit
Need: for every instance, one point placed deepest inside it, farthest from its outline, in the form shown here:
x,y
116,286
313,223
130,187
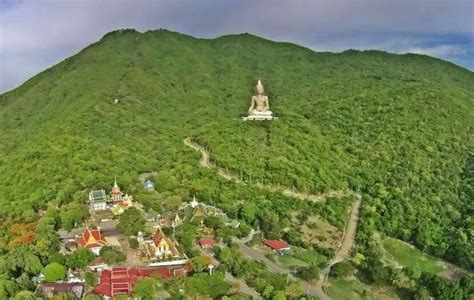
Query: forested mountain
x,y
397,128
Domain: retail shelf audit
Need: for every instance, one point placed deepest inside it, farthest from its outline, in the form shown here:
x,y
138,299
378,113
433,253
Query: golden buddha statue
x,y
260,107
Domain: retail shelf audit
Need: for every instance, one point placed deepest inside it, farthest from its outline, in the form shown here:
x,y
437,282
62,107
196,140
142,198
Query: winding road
x,y
204,161
345,244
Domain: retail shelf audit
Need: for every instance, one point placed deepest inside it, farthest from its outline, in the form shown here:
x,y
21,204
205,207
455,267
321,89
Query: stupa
x,y
260,107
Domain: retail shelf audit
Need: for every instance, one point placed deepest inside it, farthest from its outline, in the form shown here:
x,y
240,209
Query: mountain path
x,y
204,161
345,244
347,241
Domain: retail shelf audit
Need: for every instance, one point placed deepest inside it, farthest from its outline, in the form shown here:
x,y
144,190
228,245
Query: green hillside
x,y
398,128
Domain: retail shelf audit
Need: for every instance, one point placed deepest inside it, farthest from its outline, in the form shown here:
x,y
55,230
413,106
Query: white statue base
x,y
258,118
259,115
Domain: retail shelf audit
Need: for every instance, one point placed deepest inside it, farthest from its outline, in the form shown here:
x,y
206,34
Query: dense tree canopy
x,y
131,222
396,128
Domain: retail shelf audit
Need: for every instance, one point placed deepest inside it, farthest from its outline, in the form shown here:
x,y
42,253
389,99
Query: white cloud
x,y
442,51
42,32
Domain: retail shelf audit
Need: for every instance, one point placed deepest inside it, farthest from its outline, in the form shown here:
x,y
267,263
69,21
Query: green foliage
x,y
145,288
54,272
91,278
200,263
431,285
133,243
72,215
80,258
64,296
187,235
92,296
204,285
342,269
111,255
308,273
131,222
396,127
255,274
408,256
25,295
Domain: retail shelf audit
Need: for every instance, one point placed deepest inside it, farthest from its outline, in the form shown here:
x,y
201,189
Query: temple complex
x,y
116,201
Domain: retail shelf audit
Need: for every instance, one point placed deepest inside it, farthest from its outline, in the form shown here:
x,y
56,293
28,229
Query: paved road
x,y
243,287
229,278
311,289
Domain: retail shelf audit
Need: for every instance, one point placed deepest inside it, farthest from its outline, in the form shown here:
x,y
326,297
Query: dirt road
x,y
346,243
204,161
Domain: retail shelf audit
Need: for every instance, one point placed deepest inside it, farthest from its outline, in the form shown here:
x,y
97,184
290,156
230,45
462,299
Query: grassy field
x,y
291,262
301,258
343,289
404,255
317,230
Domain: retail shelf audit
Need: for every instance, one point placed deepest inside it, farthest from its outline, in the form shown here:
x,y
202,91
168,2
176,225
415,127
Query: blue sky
x,y
37,34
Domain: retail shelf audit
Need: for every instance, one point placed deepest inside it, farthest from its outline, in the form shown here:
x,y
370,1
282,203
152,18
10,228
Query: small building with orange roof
x,y
92,240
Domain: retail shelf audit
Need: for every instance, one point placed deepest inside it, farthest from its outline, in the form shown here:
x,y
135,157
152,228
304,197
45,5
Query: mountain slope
x,y
397,127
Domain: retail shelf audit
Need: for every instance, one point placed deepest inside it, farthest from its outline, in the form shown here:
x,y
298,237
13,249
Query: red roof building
x,y
120,280
277,245
92,240
206,243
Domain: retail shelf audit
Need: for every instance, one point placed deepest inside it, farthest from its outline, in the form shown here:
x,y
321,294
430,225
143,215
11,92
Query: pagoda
x,y
116,194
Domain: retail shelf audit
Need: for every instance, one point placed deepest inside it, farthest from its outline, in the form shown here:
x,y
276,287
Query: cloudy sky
x,y
36,34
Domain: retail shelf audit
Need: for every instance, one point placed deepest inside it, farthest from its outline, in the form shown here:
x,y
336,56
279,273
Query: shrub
x,y
54,272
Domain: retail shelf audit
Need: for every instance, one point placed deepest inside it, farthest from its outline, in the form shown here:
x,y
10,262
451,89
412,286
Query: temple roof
x,y
98,196
92,239
160,236
116,189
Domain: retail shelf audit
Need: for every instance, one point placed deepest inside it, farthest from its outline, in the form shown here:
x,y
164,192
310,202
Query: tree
x,y
64,296
112,255
358,258
131,222
342,269
399,278
133,243
145,288
80,258
200,263
308,273
72,214
205,285
249,212
279,295
25,295
422,294
91,278
225,256
267,291
54,272
92,296
294,291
